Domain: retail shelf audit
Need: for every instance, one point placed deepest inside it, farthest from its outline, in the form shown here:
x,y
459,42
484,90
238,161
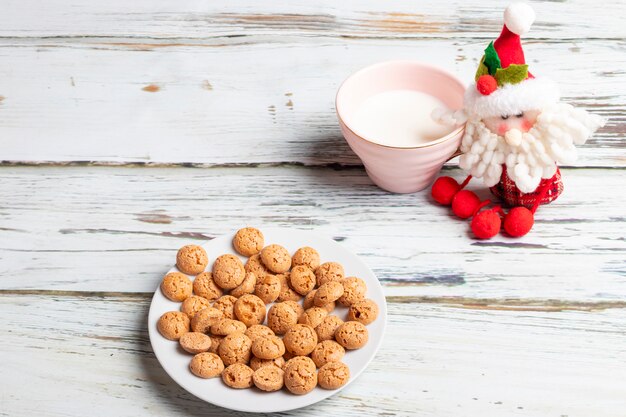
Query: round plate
x,y
176,362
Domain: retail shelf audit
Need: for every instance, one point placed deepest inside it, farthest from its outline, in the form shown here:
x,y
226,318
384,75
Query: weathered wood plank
x,y
580,19
117,229
92,356
97,100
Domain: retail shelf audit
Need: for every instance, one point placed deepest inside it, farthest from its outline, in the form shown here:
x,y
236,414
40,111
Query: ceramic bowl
x,y
400,170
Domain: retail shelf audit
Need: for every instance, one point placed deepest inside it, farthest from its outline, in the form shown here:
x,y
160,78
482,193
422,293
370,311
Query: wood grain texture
x,y
244,89
95,101
579,19
255,83
91,356
117,229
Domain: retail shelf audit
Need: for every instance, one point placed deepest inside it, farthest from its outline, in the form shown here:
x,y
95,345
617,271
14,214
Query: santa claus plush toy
x,y
517,132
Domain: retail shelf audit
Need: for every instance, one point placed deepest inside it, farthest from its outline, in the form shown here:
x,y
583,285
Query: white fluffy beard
x,y
549,142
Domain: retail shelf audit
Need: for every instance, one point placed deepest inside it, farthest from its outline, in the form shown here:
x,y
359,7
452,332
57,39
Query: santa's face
x,y
528,145
522,121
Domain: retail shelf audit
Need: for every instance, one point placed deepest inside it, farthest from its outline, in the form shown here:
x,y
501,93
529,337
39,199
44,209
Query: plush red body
x,y
511,196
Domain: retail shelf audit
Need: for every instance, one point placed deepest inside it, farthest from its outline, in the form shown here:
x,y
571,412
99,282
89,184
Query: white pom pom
x,y
479,170
448,117
510,159
549,171
492,177
465,162
477,148
460,116
519,17
521,170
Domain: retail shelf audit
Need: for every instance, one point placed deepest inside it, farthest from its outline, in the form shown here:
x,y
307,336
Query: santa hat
x,y
503,86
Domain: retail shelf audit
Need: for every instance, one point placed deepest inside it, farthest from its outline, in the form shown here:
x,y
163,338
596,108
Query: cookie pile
x,y
225,323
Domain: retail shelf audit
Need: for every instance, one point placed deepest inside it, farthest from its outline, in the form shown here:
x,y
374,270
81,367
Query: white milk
x,y
399,118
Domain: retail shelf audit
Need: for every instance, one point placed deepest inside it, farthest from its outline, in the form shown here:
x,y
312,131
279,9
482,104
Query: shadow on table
x,y
322,148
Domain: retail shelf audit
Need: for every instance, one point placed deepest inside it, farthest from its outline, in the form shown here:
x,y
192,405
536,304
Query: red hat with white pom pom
x,y
503,85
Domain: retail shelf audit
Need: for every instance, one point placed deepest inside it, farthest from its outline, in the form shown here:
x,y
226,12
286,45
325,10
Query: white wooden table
x,y
128,129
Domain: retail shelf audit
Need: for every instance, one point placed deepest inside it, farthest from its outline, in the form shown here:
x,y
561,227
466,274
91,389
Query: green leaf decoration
x,y
492,61
482,69
512,74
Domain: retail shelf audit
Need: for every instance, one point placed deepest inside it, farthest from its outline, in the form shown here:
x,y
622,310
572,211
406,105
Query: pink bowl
x,y
400,170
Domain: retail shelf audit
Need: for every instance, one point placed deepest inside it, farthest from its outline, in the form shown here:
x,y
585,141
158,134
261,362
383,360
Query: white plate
x,y
176,362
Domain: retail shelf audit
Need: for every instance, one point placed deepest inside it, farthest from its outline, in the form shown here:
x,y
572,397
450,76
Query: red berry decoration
x,y
486,224
486,84
519,221
465,203
444,189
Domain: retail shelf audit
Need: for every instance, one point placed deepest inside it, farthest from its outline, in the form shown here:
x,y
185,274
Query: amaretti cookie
x,y
268,378
276,258
204,286
256,363
297,307
228,271
173,324
328,293
205,318
248,241
351,335
246,287
333,375
329,271
364,311
306,256
226,304
313,316
301,339
238,375
268,347
224,327
254,265
354,289
326,329
267,288
206,365
235,348
300,375
176,286
250,310
258,330
281,318
191,259
194,304
308,302
327,351
302,279
195,342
